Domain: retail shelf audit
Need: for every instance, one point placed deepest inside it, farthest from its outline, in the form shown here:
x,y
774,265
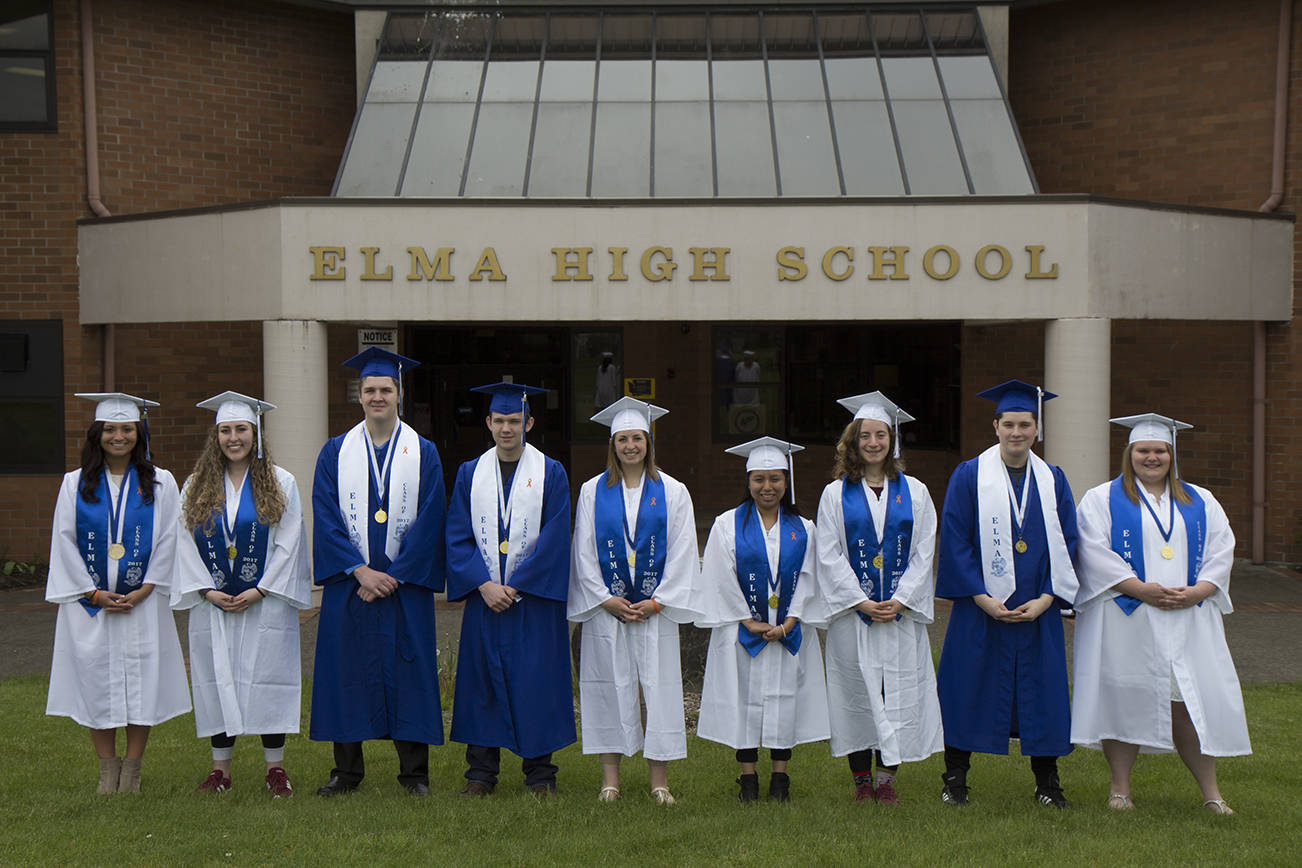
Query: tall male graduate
x,y
379,508
508,556
1007,540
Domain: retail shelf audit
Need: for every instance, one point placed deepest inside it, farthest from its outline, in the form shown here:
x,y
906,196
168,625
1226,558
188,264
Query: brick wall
x,y
1173,102
198,104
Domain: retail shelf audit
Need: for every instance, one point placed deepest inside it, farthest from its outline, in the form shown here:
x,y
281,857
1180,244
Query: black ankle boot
x,y
749,788
780,787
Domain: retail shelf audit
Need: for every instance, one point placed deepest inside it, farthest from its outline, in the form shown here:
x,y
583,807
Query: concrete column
x,y
294,379
1078,367
994,21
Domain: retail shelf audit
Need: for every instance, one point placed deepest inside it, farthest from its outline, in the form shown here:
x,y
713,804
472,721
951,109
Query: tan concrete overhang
x,y
1010,258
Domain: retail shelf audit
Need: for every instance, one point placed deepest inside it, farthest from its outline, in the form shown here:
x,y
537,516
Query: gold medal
x,y
1020,547
231,552
878,561
117,551
504,546
632,559
773,601
1168,552
381,516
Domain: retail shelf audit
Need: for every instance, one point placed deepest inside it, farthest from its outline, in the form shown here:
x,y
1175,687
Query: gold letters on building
x,y
657,263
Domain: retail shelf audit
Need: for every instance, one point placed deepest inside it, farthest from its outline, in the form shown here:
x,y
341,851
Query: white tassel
x,y
1039,413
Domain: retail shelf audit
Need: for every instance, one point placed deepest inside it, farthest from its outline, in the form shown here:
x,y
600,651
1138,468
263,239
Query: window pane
x,y
501,142
682,157
985,129
438,151
805,158
622,151
926,138
22,89
560,148
863,128
29,33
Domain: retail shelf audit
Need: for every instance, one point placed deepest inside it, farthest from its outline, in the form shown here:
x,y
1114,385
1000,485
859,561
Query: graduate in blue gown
x,y
379,510
1007,540
508,558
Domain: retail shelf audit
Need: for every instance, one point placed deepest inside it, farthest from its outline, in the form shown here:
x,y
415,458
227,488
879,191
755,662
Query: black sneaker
x,y
780,787
955,790
1051,796
749,788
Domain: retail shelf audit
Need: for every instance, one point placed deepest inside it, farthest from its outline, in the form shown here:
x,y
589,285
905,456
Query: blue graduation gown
x,y
999,680
376,669
513,668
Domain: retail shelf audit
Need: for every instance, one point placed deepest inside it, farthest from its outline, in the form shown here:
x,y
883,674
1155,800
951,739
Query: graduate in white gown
x,y
117,661
633,579
1152,671
764,670
876,540
242,572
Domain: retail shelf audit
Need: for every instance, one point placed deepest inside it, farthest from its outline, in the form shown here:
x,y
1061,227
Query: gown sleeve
x,y
420,560
806,603
1098,567
721,601
465,566
587,590
287,575
68,578
677,590
544,572
167,523
333,554
1218,551
958,574
1070,535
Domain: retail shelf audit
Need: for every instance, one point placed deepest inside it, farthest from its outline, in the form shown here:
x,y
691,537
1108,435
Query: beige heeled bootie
x,y
109,770
129,782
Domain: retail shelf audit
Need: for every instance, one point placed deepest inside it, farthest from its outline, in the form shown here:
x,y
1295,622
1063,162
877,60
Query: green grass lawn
x,y
51,814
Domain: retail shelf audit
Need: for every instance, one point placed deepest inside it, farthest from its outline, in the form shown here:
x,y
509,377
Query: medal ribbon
x,y
650,544
129,520
249,538
1019,506
1128,534
753,564
381,478
861,546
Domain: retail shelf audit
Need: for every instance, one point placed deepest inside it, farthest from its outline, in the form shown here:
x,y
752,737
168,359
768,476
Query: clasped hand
x,y
1023,614
118,604
237,603
1162,597
626,611
373,584
881,612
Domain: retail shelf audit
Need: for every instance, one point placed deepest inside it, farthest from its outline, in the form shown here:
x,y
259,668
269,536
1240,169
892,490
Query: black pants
x,y
751,754
1045,768
413,762
269,741
485,762
861,762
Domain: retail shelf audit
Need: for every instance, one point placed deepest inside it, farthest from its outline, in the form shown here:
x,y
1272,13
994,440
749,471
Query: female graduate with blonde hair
x,y
1152,671
242,573
876,539
117,660
633,578
763,672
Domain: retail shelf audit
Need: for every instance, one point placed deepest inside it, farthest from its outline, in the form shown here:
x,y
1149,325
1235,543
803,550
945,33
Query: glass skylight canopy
x,y
636,102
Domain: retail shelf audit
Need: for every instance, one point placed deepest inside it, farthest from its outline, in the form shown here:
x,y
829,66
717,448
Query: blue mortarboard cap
x,y
508,398
1015,396
377,362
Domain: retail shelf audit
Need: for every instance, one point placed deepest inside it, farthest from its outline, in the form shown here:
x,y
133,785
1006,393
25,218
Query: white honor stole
x,y
995,498
520,509
355,459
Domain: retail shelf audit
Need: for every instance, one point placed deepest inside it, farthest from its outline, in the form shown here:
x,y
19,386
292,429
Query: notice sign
x,y
385,339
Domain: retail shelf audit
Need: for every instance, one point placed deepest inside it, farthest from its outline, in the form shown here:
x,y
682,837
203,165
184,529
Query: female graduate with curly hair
x,y
242,572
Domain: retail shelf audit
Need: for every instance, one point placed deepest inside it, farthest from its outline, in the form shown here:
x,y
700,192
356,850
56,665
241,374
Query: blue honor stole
x,y
651,546
93,519
1128,534
755,578
235,575
878,565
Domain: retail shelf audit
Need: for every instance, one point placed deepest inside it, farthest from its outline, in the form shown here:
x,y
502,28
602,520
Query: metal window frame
x,y
46,55
944,96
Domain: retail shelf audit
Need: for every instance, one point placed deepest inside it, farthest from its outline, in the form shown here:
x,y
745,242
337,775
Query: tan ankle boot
x,y
109,770
129,782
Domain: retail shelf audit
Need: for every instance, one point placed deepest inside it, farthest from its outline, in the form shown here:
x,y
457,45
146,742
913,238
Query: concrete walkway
x,y
1264,633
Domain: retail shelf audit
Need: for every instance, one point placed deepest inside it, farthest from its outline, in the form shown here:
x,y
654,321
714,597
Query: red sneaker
x,y
886,794
216,782
864,792
278,783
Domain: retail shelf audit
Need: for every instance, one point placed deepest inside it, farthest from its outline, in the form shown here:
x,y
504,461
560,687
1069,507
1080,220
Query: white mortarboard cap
x,y
116,406
629,414
769,453
1151,426
878,407
234,407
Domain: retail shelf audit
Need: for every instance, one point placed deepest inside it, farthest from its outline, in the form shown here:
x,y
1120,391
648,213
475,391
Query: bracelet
x,y
260,591
204,592
94,595
784,630
655,605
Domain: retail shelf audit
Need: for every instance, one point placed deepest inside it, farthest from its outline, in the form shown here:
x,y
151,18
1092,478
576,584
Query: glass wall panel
x,y
560,147
501,138
682,148
22,90
863,128
25,29
741,128
926,138
621,157
438,151
985,129
805,158
380,140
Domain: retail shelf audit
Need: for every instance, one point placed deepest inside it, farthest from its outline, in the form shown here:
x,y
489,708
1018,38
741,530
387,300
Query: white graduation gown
x,y
112,670
244,666
1124,665
616,657
881,680
775,699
